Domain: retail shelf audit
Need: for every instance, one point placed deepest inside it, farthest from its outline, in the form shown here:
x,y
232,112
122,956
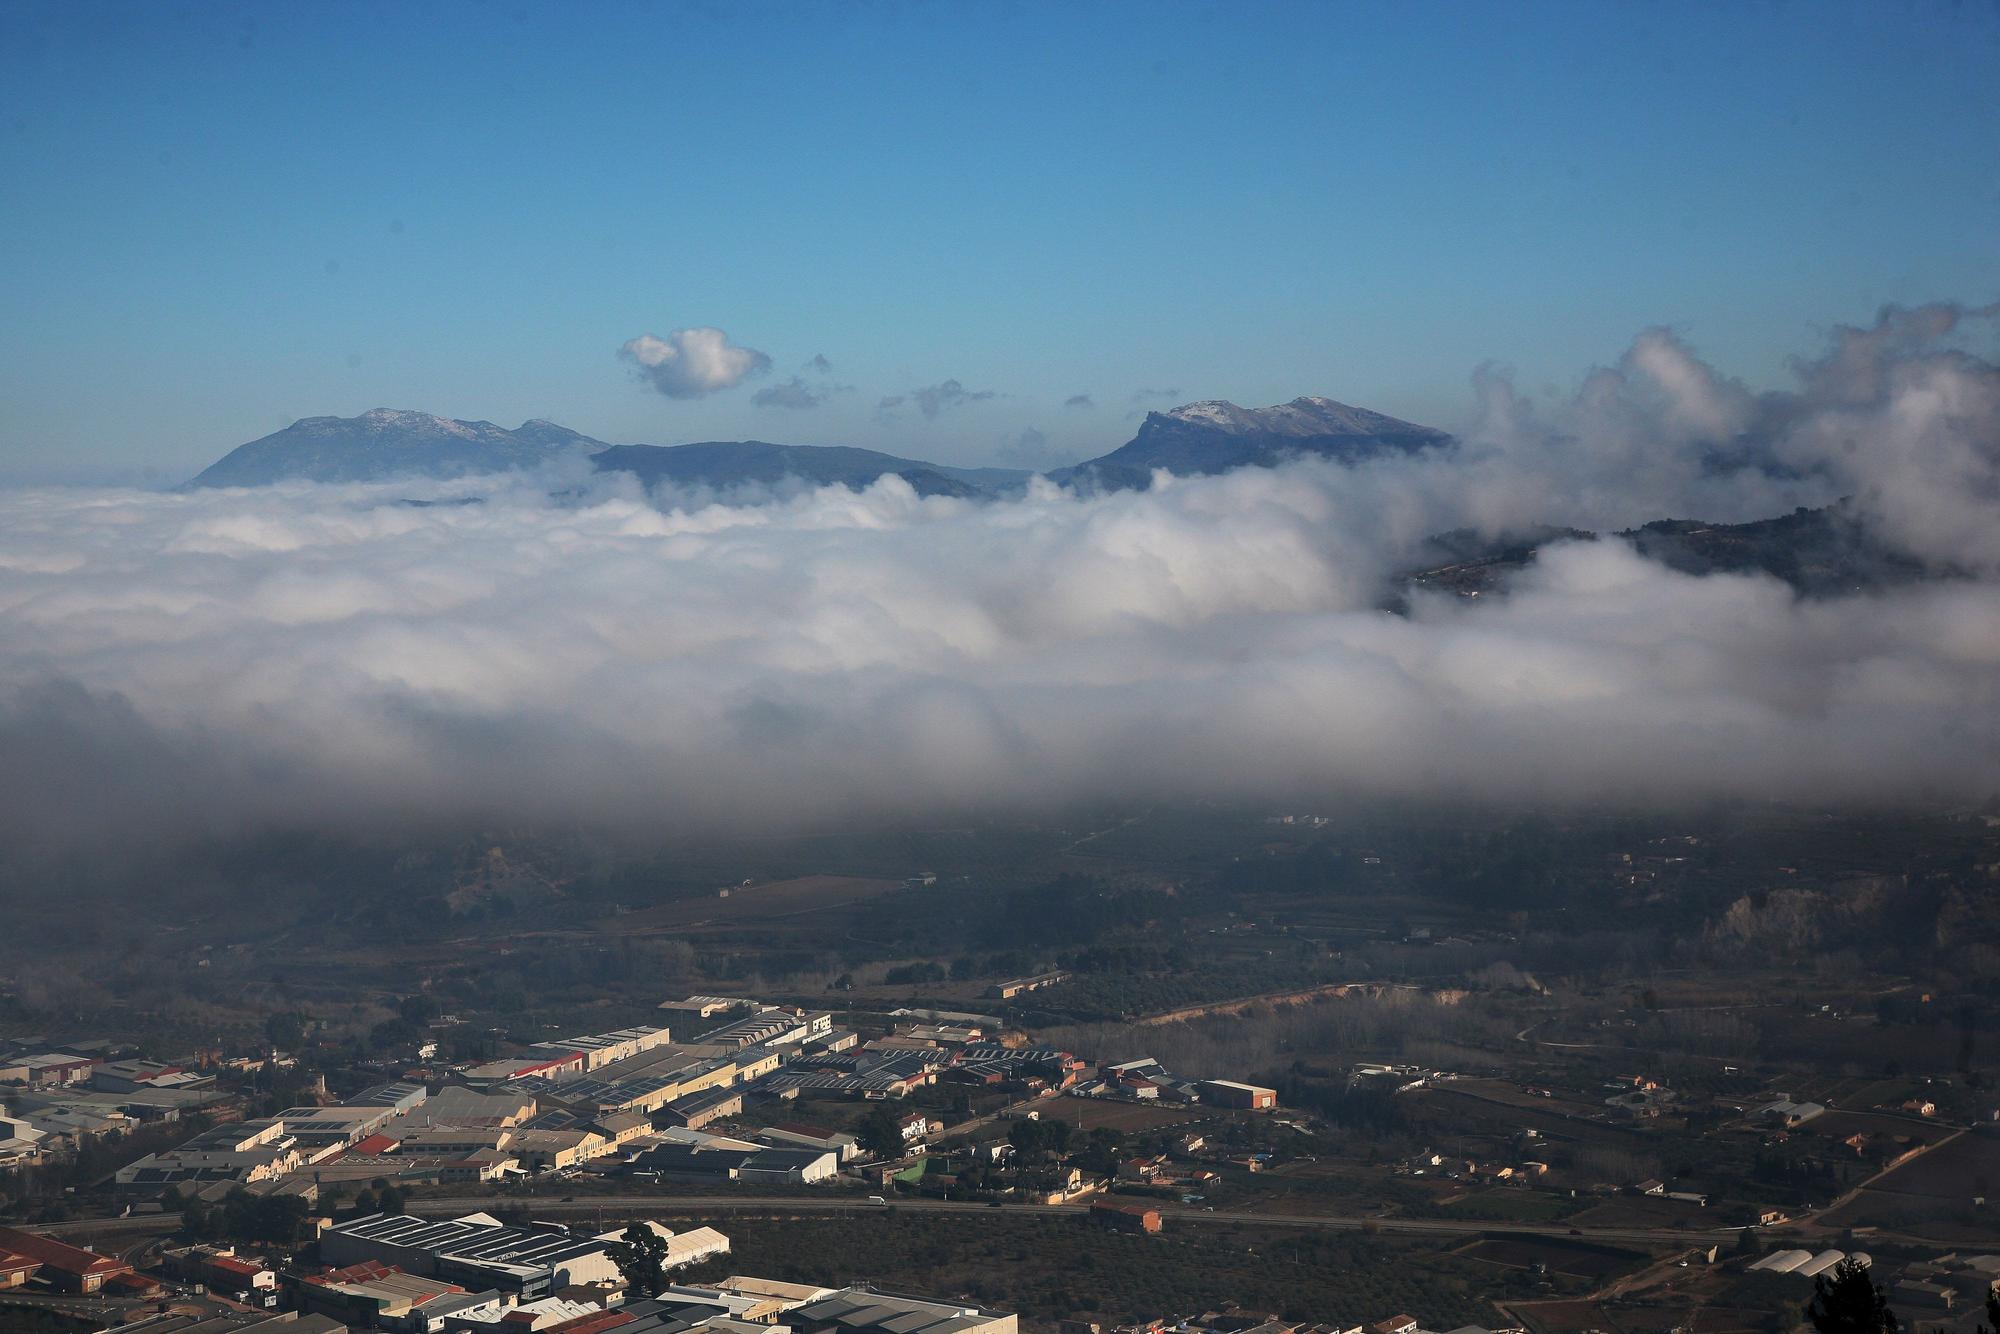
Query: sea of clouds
x,y
573,649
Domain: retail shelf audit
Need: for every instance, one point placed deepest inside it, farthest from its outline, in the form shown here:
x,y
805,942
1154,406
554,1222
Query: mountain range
x,y
1215,436
1819,552
1199,438
385,444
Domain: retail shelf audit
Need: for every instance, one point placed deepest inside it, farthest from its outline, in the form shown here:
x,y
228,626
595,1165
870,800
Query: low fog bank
x,y
575,650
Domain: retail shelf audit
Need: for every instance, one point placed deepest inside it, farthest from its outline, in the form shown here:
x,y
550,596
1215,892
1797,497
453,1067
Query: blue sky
x,y
215,219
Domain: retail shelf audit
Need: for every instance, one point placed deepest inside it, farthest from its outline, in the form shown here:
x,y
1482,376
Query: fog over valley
x,y
564,645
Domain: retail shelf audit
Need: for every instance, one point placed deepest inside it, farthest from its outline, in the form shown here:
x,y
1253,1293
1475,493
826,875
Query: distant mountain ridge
x,y
1821,552
726,463
388,442
1193,440
1216,436
1826,552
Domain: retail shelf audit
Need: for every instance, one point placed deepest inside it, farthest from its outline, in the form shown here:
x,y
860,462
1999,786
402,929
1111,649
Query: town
x,y
533,1190
1250,1071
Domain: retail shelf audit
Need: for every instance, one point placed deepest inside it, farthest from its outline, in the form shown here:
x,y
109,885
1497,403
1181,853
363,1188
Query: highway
x,y
1174,1215
618,1207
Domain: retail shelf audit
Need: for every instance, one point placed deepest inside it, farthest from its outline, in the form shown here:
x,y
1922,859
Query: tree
x,y
285,1032
882,1132
641,1257
418,1011
1992,1325
1848,1301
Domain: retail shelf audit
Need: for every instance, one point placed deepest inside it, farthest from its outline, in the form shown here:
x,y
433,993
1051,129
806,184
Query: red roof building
x,y
16,1269
1130,1217
229,1271
70,1268
594,1323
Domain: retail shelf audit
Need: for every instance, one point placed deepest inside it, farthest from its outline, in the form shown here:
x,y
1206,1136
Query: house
x,y
225,1271
475,1250
129,1076
1126,1217
1787,1113
696,1110
771,1027
559,1066
1395,1324
863,1311
16,1269
794,1134
47,1070
1141,1169
20,1141
707,1007
398,1097
1932,1296
601,1049
722,1162
803,1167
63,1267
370,1294
683,1248
486,1165
1020,986
620,1127
554,1149
1136,1086
1231,1093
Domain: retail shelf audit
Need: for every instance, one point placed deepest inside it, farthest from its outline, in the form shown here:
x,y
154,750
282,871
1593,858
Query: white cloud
x,y
689,363
932,399
330,656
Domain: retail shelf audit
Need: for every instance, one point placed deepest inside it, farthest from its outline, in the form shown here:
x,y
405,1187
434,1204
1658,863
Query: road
x,y
626,1206
639,1205
95,1231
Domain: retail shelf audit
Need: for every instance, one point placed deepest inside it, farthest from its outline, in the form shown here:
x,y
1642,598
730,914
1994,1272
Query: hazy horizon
x,y
967,233
574,649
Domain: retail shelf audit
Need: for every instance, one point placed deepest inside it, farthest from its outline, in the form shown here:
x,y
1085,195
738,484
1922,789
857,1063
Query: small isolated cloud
x,y
689,363
942,397
1028,449
1081,401
793,393
800,393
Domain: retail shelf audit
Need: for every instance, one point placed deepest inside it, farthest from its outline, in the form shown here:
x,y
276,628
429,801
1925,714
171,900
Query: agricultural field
x,y
743,904
1646,1211
1053,1267
1934,1193
1574,1259
1130,1118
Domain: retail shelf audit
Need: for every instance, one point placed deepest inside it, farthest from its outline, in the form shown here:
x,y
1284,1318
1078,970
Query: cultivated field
x,y
747,904
1591,1262
1130,1117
